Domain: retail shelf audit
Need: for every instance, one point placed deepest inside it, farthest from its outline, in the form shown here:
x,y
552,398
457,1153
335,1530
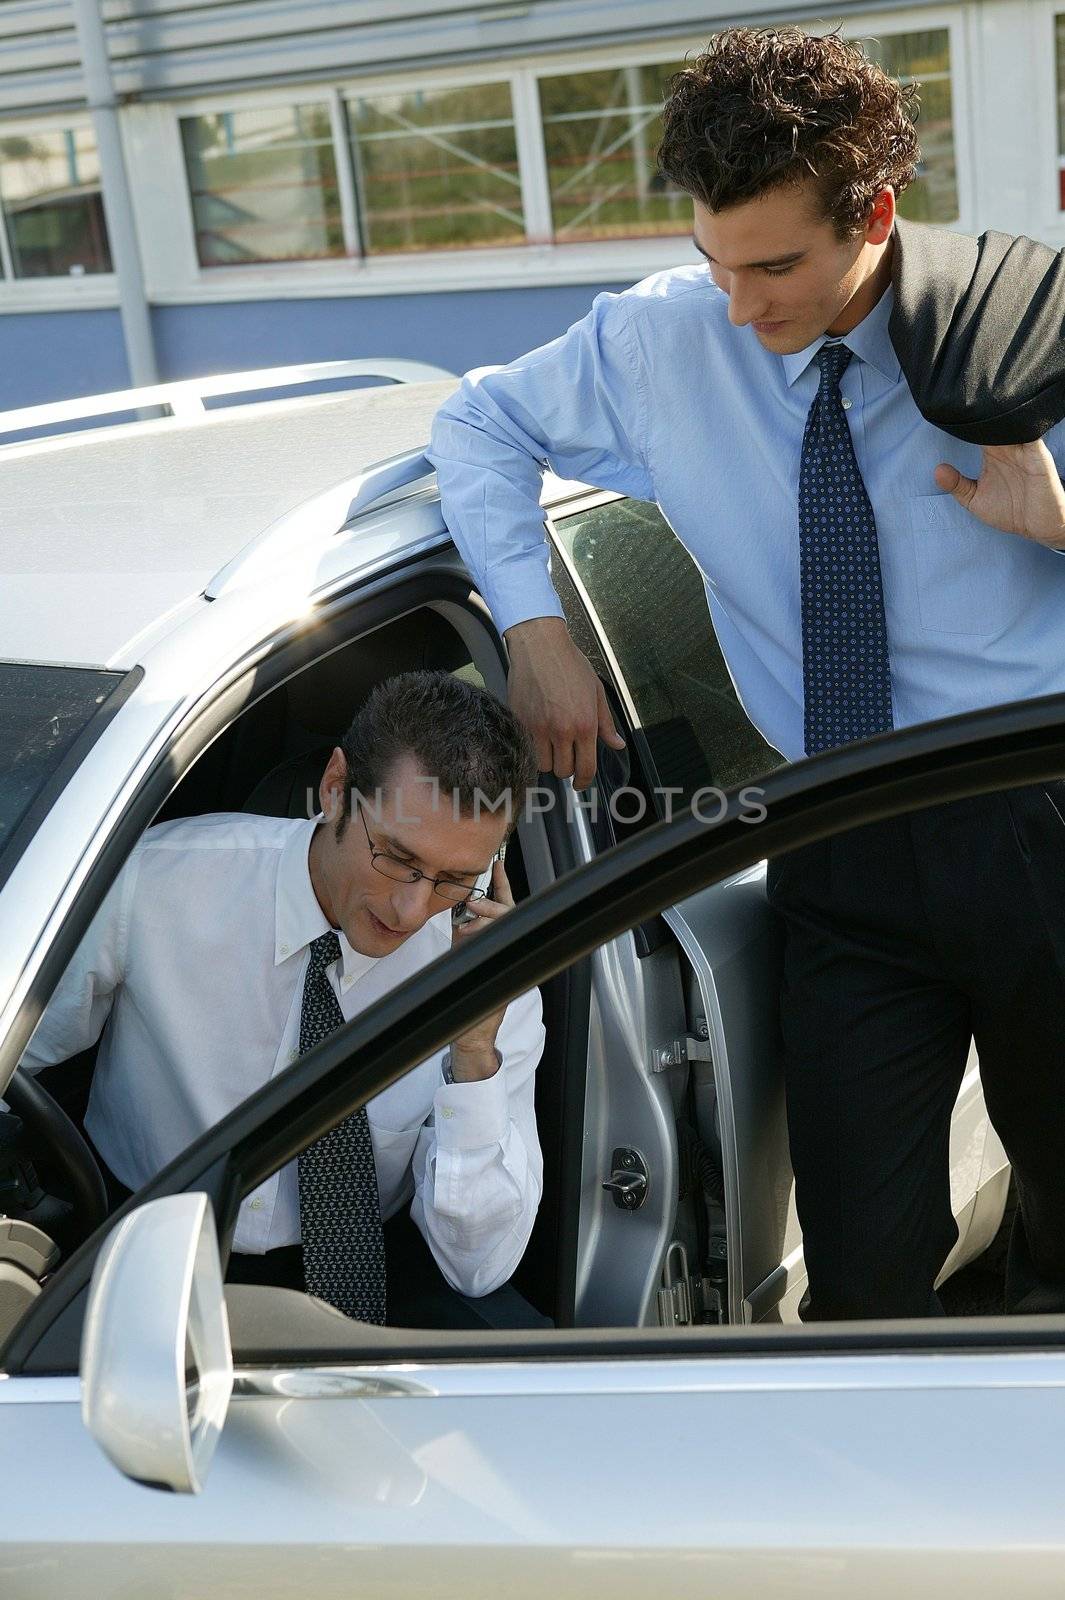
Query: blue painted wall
x,y
58,355
454,330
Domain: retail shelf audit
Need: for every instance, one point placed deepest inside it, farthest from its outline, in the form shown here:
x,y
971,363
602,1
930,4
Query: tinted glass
x,y
651,604
263,185
42,711
50,183
437,169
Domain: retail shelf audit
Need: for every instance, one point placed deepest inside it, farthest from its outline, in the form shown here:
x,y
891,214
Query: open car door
x,y
854,1459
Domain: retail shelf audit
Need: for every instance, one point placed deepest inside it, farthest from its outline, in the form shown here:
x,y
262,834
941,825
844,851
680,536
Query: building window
x,y
437,169
53,211
926,57
1059,29
264,185
601,131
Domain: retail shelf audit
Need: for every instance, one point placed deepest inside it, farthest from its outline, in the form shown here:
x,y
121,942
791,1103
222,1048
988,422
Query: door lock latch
x,y
628,1181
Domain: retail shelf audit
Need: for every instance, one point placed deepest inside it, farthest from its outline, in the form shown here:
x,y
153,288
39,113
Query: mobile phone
x,y
461,913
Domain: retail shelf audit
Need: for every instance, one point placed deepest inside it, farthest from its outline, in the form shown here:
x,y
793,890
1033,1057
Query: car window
x,y
649,599
43,709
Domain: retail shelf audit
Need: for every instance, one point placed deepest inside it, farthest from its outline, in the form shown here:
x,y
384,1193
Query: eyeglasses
x,y
392,867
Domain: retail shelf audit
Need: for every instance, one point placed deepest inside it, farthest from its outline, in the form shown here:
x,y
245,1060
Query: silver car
x,y
189,621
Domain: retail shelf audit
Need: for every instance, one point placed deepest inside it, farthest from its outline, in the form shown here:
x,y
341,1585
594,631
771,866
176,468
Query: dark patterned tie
x,y
340,1211
845,669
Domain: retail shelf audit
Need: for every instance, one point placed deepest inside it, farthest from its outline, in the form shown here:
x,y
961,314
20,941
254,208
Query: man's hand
x,y
554,691
473,1054
1018,491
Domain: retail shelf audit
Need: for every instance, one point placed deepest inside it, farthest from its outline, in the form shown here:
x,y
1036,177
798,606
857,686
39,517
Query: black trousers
x,y
418,1295
903,940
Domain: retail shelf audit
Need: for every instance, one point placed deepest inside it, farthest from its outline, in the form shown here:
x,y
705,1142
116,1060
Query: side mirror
x,y
156,1362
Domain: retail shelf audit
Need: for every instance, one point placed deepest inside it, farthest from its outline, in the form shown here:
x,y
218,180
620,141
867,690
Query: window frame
x,y
961,65
1046,82
92,290
175,277
356,272
316,94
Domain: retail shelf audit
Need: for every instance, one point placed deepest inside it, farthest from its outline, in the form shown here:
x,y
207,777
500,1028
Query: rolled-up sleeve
x,y
478,1170
573,406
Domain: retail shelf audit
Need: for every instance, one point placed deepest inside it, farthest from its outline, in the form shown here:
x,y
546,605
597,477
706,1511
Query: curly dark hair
x,y
458,733
766,107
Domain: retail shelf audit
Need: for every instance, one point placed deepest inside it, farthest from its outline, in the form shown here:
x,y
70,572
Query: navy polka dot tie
x,y
845,669
340,1209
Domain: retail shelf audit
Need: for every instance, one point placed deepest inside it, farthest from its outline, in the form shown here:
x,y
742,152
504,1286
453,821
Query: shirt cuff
x,y
469,1116
527,593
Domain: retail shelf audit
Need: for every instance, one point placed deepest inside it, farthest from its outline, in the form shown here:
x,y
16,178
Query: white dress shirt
x,y
195,963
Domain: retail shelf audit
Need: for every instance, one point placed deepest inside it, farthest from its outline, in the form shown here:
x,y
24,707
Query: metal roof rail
x,y
386,483
386,479
186,398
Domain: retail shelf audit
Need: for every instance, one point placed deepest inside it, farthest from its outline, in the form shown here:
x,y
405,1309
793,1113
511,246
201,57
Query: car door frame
x,y
930,764
551,842
763,1264
638,980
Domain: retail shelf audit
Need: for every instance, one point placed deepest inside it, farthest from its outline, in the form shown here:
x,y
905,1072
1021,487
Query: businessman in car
x,y
230,945
864,571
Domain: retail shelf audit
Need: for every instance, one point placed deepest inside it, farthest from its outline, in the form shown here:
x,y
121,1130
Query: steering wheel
x,y
48,1124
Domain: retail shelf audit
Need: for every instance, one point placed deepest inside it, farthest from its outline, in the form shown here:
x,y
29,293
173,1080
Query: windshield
x,y
43,710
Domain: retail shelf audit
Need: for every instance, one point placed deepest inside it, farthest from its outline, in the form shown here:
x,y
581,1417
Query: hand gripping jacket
x,y
978,327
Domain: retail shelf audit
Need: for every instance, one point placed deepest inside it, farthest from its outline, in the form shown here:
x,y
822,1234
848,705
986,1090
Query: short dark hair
x,y
458,733
766,107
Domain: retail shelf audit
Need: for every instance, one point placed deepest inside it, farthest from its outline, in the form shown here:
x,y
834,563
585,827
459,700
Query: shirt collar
x,y
298,918
870,342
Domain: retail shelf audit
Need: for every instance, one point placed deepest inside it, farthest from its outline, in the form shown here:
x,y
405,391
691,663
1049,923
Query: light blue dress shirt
x,y
657,395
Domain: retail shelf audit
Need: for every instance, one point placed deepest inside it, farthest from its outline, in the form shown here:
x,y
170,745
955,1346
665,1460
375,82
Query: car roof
x,y
103,532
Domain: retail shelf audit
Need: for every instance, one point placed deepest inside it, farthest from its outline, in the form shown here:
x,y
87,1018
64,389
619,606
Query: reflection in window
x,y
50,186
601,131
926,57
1059,29
264,185
437,169
649,597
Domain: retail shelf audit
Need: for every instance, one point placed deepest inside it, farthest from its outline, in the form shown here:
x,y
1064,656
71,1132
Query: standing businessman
x,y
864,571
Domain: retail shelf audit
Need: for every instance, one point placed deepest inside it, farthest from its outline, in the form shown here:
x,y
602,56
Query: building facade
x,y
324,179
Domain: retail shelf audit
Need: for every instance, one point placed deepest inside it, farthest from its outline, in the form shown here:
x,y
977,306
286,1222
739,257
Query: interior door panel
x,y
729,937
636,1002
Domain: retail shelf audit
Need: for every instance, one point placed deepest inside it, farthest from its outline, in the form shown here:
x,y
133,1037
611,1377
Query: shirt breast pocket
x,y
971,579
